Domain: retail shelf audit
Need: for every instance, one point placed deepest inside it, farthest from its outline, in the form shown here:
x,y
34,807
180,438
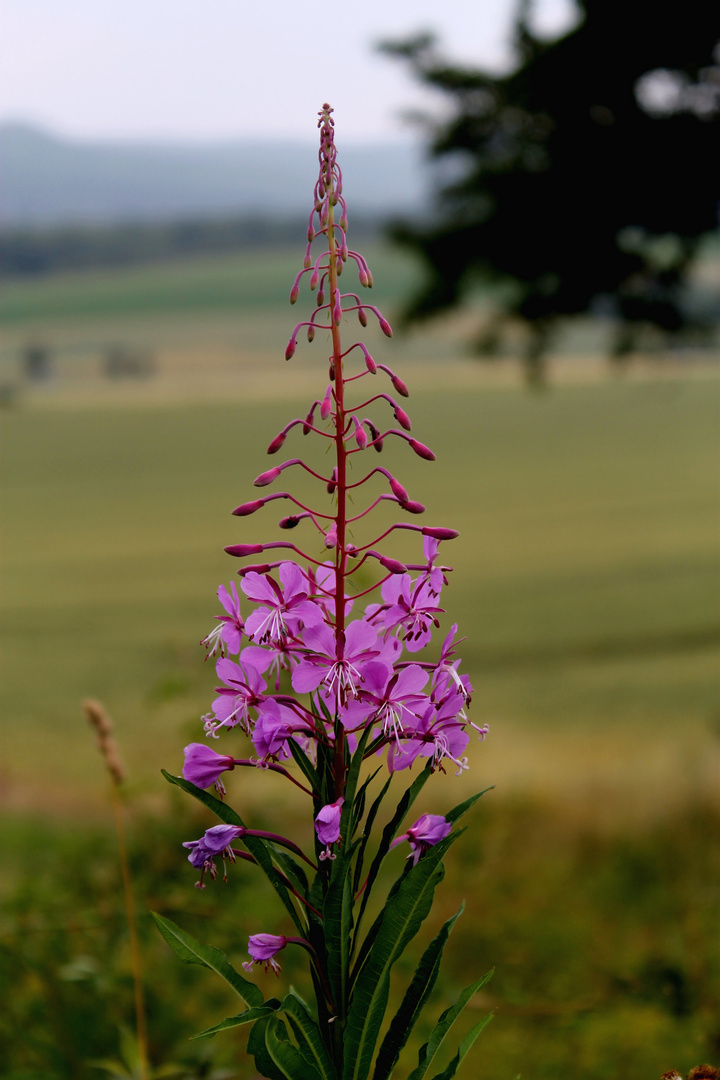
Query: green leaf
x,y
191,951
448,1072
367,831
256,1048
305,765
406,801
462,808
413,1002
337,924
260,849
285,1055
246,1017
308,1035
446,1021
402,918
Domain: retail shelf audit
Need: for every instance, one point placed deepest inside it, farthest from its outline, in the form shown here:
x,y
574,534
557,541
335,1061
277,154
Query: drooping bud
x,y
439,533
240,550
267,477
392,565
402,418
326,405
311,333
294,293
385,326
377,442
421,450
412,507
332,483
314,279
288,522
399,385
331,536
370,364
309,419
398,490
290,351
277,443
248,508
360,436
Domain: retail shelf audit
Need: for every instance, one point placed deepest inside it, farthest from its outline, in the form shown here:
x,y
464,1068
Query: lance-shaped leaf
x,y
305,765
446,1021
450,1070
402,918
413,1002
367,831
308,1035
191,951
408,798
462,808
258,848
256,1048
284,1055
337,925
247,1017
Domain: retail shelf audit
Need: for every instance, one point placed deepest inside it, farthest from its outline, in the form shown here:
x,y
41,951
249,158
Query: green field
x,y
586,582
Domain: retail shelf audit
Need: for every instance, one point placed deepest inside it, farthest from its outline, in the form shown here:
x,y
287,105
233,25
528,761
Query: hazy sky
x,y
206,69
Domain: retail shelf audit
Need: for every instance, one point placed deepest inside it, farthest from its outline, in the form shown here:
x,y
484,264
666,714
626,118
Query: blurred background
x,y
536,189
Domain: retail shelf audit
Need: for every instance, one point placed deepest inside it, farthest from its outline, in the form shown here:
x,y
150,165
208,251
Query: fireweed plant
x,y
364,693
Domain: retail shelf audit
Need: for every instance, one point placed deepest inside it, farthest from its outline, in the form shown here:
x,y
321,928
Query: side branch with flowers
x,y
362,687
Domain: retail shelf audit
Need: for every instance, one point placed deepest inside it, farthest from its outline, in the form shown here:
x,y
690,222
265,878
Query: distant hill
x,y
49,181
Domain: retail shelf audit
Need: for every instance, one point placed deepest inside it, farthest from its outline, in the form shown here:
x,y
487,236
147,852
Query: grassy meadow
x,y
586,582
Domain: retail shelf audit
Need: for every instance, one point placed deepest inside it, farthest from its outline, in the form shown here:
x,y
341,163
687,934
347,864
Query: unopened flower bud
x,y
398,490
370,364
277,443
331,536
385,326
320,297
402,418
288,522
377,442
294,293
360,436
267,477
362,277
314,279
240,550
332,483
440,534
255,568
412,507
399,385
421,450
307,262
326,405
311,333
310,234
392,565
290,351
362,317
248,508
337,311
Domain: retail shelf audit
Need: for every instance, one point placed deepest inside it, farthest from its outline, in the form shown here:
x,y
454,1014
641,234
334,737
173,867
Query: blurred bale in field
x,y
126,362
36,362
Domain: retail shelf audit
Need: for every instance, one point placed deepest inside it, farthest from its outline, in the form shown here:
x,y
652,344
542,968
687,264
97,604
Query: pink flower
x,y
228,632
203,766
428,830
283,609
263,948
342,677
274,727
327,826
243,690
216,841
411,604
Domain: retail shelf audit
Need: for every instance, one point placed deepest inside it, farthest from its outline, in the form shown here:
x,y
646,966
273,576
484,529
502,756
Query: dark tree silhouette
x,y
583,181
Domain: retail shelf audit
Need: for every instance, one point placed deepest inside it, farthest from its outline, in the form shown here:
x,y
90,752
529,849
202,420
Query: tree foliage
x,y
582,181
